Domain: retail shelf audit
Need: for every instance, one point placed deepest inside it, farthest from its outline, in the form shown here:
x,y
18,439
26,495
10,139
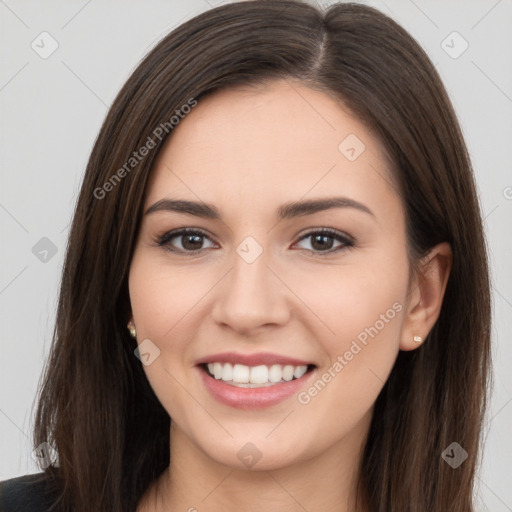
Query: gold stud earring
x,y
131,328
418,339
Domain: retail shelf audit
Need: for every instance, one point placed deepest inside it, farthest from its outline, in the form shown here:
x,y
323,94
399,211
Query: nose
x,y
250,296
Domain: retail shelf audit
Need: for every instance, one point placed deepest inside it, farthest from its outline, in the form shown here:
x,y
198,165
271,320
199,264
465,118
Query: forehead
x,y
283,118
273,142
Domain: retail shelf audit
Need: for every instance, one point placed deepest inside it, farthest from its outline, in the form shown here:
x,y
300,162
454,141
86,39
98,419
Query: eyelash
x,y
164,240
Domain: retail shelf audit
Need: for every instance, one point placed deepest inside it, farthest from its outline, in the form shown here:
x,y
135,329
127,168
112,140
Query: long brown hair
x,y
95,405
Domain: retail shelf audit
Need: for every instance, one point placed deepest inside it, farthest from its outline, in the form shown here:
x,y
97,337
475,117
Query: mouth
x,y
254,381
260,376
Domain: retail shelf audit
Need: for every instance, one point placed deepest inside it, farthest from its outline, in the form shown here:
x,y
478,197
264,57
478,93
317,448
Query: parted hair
x,y
95,405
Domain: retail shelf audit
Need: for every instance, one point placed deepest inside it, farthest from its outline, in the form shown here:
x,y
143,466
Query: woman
x,y
276,289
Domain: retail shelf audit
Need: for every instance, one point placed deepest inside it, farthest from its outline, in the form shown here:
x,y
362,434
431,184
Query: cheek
x,y
360,300
161,296
160,301
168,306
163,302
364,310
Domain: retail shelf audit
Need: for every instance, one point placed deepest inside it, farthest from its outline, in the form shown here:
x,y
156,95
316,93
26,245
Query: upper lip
x,y
261,358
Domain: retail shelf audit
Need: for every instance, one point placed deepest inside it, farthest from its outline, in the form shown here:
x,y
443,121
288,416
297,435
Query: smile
x,y
253,381
244,376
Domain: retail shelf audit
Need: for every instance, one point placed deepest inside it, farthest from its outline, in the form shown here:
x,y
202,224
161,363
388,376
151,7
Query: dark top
x,y
28,493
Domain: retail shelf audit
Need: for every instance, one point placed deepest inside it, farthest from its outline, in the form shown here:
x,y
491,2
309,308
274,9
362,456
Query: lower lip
x,y
252,398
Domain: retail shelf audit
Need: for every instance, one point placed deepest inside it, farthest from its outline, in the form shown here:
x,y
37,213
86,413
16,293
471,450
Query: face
x,y
262,288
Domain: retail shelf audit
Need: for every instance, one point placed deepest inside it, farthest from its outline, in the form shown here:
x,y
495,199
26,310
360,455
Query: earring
x,y
418,339
131,328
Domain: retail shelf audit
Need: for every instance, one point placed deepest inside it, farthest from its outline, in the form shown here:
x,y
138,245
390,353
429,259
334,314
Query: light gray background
x,y
52,109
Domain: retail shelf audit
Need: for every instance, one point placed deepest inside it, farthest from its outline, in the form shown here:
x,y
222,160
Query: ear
x,y
425,296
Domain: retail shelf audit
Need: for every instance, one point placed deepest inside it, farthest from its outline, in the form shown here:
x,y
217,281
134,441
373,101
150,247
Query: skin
x,y
248,151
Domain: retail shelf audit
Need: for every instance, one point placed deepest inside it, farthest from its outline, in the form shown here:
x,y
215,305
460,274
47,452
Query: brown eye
x,y
322,241
184,241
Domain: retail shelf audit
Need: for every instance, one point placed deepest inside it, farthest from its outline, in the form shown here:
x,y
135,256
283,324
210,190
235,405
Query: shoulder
x,y
27,493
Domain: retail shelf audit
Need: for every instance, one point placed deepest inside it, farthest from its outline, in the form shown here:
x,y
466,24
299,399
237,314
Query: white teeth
x,y
275,372
240,373
254,376
288,372
259,374
217,370
299,371
227,372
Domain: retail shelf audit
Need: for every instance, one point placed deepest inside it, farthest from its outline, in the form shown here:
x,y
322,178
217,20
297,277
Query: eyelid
x,y
331,231
345,240
164,239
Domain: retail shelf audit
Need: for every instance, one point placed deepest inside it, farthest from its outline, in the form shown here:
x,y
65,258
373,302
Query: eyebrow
x,y
285,211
